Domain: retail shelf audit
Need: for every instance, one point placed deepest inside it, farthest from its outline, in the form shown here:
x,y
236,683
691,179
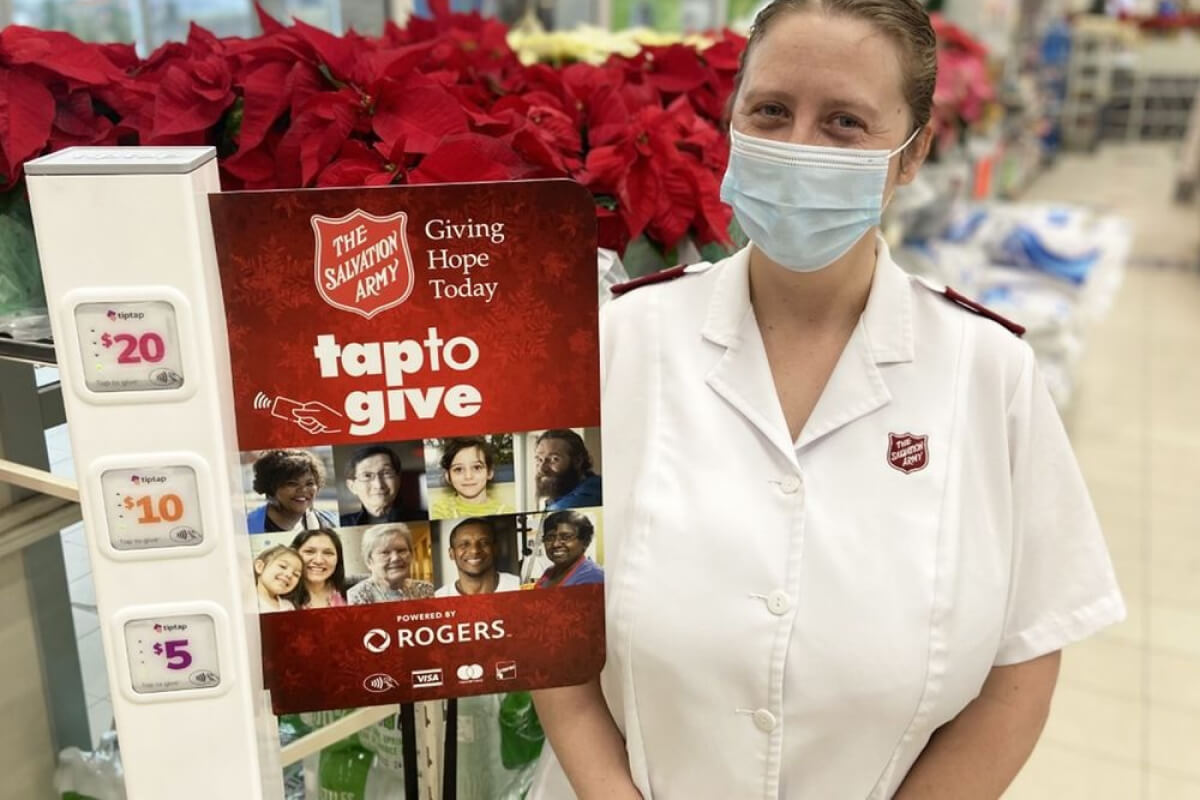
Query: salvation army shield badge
x,y
908,452
361,262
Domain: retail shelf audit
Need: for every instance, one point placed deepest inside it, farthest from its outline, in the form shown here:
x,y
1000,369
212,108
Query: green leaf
x,y
642,257
20,273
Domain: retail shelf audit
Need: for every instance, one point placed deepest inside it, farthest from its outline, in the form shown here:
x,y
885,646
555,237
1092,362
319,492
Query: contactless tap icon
x,y
313,417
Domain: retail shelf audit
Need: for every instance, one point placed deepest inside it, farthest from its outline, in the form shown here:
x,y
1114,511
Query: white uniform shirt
x,y
795,619
507,583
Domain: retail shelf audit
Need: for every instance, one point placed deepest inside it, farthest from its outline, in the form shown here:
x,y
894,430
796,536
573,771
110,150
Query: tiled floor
x,y
1126,718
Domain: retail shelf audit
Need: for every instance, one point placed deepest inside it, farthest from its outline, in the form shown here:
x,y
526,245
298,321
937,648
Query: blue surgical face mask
x,y
804,206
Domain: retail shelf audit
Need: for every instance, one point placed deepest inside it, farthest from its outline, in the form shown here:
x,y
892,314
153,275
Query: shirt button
x,y
779,603
764,720
790,484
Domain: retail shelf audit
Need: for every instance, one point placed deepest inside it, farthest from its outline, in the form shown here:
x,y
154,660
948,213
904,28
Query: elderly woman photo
x,y
388,553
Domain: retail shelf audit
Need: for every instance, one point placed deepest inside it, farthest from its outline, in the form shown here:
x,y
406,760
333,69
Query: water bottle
x,y
481,772
386,778
91,776
342,773
291,728
384,783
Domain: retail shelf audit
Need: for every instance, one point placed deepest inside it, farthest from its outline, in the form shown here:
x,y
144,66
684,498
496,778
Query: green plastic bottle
x,y
342,772
521,735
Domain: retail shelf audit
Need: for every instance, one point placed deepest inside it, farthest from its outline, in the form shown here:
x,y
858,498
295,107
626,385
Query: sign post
x,y
127,254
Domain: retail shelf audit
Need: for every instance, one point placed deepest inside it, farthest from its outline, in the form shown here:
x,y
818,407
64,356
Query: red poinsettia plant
x,y
440,100
964,86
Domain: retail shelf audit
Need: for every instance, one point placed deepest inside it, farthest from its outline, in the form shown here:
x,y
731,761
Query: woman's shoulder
x,y
988,340
325,519
418,588
256,520
361,593
674,302
682,283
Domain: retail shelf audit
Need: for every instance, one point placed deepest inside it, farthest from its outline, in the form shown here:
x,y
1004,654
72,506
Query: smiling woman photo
x,y
566,536
290,481
323,582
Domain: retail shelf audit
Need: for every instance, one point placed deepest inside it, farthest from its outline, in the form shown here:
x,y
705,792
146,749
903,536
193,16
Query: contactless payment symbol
x,y
379,683
908,452
362,264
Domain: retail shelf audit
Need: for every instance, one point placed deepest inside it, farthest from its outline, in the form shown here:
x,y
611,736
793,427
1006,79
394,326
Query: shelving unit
x,y
1122,88
1098,51
1188,175
1153,99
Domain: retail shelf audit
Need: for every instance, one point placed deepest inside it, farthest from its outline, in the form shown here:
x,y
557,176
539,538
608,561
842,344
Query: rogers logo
x,y
470,673
379,683
377,640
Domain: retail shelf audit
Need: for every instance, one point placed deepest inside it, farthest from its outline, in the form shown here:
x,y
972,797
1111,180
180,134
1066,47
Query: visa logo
x,y
427,677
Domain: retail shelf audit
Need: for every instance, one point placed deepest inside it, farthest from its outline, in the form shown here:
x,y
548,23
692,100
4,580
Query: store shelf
x,y
1123,87
29,352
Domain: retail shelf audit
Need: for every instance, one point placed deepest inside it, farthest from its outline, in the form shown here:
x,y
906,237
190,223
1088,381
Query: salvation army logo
x,y
908,452
361,261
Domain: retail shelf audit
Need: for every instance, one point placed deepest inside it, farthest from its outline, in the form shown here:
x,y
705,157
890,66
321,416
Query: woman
x,y
855,496
323,584
388,552
566,536
290,480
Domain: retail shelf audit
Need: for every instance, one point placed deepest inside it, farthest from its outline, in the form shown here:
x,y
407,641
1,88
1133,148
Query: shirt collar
x,y
887,319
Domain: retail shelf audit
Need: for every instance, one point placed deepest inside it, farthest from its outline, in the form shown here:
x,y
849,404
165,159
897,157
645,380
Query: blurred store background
x,y
1063,193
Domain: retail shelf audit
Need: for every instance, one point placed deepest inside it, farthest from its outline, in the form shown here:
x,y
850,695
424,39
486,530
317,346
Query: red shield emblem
x,y
908,452
362,262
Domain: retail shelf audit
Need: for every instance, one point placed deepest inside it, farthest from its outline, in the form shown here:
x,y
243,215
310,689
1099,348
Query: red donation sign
x,y
416,388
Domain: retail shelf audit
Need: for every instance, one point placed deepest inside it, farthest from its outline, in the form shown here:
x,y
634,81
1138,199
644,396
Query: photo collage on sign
x,y
386,521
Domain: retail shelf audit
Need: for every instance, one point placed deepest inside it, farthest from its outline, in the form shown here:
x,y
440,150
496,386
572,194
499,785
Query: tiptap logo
x,y
111,314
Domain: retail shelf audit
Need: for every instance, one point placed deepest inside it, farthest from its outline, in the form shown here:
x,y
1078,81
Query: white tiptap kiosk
x,y
131,280
141,330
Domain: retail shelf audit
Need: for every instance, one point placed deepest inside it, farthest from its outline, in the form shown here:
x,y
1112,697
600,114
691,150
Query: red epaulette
x,y
662,276
981,310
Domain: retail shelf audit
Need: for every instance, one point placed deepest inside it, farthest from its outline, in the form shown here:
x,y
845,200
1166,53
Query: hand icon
x,y
316,418
313,417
